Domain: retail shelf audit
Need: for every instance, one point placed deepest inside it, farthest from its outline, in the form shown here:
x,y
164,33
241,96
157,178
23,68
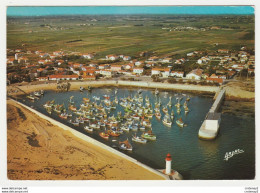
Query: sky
x,y
104,10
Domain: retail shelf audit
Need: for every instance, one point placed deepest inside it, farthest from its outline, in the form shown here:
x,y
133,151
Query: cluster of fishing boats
x,y
134,113
35,95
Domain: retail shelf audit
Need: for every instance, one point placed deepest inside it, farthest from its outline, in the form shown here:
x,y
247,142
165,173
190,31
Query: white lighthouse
x,y
168,168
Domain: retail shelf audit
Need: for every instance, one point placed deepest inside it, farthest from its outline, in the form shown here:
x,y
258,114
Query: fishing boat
x,y
104,135
81,89
146,123
59,108
89,129
138,139
42,92
156,91
179,122
89,88
72,108
124,128
139,91
113,133
86,100
178,110
63,115
142,128
30,97
178,105
167,121
94,126
125,145
185,104
75,123
116,100
172,115
106,97
188,99
186,110
48,104
170,102
71,100
37,93
165,110
149,115
96,98
49,110
149,135
158,115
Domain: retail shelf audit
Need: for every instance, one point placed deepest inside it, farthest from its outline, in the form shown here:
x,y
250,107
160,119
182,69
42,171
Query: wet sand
x,y
39,150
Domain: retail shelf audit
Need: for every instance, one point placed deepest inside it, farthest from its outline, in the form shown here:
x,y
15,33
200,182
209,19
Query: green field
x,y
129,35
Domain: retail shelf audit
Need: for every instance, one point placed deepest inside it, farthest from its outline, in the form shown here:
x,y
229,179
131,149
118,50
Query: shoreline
x,y
126,163
130,84
233,93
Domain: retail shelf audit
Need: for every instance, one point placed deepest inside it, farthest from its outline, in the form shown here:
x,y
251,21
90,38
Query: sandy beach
x,y
39,150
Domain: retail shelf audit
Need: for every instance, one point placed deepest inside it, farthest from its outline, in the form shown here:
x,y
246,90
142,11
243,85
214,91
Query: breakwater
x,y
210,126
93,141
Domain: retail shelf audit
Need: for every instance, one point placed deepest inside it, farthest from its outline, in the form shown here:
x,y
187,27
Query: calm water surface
x,y
192,157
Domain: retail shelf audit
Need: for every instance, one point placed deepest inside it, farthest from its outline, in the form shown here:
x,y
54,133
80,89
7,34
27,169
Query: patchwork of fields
x,y
129,35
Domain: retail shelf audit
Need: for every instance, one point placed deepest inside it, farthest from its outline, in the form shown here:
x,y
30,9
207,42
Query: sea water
x,y
192,157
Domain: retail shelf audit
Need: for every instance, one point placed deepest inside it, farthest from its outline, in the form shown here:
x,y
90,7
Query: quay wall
x,y
93,141
139,84
217,102
144,84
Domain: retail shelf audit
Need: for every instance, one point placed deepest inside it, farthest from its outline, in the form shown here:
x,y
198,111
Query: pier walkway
x,y
210,126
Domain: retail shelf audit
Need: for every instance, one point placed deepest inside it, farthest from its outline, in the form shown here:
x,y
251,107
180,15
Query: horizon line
x,y
128,10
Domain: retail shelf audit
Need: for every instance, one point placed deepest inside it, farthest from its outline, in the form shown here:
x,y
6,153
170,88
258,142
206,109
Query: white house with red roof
x,y
214,76
139,63
127,58
167,60
153,58
43,55
10,60
164,72
58,53
88,56
22,59
111,57
116,68
41,61
138,71
177,74
106,72
195,74
129,66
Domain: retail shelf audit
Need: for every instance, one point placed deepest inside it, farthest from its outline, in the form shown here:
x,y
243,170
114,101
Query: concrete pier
x,y
210,126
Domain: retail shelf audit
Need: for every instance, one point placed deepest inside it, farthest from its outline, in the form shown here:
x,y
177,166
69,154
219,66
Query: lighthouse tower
x,y
168,160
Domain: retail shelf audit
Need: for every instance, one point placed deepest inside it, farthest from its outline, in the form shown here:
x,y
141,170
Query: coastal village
x,y
197,67
154,97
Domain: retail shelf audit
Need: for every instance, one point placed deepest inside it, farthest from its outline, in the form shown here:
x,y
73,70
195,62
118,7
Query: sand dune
x,y
38,150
